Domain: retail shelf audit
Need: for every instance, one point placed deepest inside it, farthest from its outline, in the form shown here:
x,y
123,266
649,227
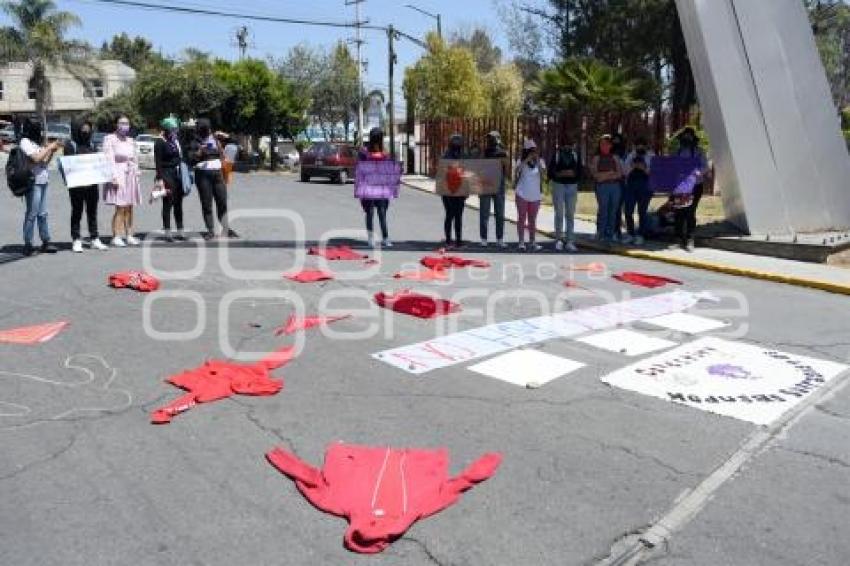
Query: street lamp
x,y
435,16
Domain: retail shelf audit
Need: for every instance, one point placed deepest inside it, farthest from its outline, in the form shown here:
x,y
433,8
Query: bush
x,y
673,142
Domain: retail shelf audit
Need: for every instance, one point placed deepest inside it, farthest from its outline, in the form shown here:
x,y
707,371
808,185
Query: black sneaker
x,y
232,234
48,248
208,236
28,250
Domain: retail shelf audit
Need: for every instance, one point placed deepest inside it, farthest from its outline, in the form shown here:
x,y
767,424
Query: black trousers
x,y
173,203
211,188
369,207
83,197
454,216
686,218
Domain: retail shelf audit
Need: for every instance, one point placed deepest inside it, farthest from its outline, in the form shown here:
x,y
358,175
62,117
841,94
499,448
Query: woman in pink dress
x,y
125,190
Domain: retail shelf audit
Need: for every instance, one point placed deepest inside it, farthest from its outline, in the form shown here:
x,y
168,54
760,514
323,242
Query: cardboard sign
x,y
464,177
445,351
377,179
85,170
671,172
738,380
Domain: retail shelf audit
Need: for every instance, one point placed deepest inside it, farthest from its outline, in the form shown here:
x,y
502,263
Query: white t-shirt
x,y
30,149
231,152
529,181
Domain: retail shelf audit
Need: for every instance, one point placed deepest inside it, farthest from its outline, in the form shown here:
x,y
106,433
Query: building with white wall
x,y
69,96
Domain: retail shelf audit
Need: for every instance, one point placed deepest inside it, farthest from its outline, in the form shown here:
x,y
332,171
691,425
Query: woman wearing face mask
x,y
32,138
168,159
565,169
125,190
528,183
607,171
454,206
686,217
374,151
637,192
206,155
83,197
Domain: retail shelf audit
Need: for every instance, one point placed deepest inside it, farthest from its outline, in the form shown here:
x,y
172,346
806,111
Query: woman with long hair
x,y
206,155
454,205
32,144
124,192
375,152
168,161
529,173
607,171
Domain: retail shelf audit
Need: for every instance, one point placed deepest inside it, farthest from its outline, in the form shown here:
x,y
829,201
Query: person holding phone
x,y
32,140
565,170
529,174
206,155
125,191
637,192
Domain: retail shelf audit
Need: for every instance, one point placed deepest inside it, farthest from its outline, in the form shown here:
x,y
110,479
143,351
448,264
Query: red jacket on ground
x,y
309,276
644,280
136,280
449,261
338,253
381,491
416,304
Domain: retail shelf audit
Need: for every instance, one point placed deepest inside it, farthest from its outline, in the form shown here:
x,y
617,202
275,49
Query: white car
x,y
144,145
290,159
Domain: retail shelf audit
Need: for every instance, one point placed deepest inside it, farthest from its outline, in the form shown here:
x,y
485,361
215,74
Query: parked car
x,y
58,131
7,134
144,145
335,161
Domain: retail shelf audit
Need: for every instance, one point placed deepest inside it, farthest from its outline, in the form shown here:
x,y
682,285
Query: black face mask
x,y
85,136
204,133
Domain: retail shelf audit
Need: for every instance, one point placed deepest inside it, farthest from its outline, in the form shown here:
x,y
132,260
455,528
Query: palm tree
x,y
37,36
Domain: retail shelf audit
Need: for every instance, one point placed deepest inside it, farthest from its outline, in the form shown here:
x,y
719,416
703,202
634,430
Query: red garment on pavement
x,y
294,324
310,276
217,379
381,491
595,267
644,280
450,261
425,275
29,335
416,304
338,253
136,280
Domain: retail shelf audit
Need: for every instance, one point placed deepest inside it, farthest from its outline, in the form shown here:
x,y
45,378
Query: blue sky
x,y
174,32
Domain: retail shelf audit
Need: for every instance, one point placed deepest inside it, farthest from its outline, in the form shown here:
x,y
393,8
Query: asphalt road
x,y
585,465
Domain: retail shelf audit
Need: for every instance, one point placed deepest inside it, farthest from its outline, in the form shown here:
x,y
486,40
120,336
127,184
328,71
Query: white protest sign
x,y
738,380
85,170
445,351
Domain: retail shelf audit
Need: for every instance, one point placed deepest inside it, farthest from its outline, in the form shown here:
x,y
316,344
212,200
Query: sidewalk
x,y
802,274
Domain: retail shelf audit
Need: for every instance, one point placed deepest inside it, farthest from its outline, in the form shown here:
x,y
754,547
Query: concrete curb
x,y
828,286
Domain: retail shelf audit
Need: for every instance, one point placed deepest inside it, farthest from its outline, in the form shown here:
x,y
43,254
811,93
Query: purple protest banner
x,y
377,180
670,172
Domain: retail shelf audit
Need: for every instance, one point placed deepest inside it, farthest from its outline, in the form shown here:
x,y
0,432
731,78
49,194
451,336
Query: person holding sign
x,y
374,152
83,197
124,192
36,196
529,174
170,169
565,169
454,205
686,214
607,171
637,192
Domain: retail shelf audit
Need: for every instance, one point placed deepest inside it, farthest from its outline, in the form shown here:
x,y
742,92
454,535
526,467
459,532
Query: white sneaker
x,y
639,240
559,246
535,247
118,242
386,243
502,244
626,239
484,243
98,245
571,247
77,247
371,242
521,247
133,241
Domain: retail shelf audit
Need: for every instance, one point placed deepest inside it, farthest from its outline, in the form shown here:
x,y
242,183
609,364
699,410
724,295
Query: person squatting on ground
x,y
494,150
124,192
206,156
169,164
565,172
686,216
32,138
375,152
607,171
637,192
454,206
83,197
529,175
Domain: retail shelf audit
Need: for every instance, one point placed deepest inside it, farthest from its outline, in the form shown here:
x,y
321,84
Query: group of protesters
x,y
199,158
621,179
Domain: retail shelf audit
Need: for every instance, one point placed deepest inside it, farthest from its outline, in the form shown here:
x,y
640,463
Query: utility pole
x,y
242,41
359,42
391,36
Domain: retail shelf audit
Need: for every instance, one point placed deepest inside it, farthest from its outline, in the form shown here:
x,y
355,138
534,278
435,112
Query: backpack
x,y
19,174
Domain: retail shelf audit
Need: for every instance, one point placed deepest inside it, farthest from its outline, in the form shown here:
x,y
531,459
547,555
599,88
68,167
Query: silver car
x,y
144,145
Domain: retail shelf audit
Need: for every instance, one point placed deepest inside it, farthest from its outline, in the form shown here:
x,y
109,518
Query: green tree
x,y
136,52
445,83
337,94
105,115
487,56
38,36
503,87
190,90
831,25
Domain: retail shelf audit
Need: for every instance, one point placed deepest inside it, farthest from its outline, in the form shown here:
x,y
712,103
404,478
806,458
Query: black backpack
x,y
19,174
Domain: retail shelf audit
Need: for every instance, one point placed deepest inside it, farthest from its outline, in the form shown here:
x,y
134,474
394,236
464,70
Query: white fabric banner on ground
x,y
627,342
738,380
527,367
686,323
445,351
85,170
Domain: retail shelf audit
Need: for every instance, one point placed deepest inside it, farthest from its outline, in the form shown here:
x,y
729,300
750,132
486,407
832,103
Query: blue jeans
x,y
637,195
564,197
498,204
36,200
608,198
